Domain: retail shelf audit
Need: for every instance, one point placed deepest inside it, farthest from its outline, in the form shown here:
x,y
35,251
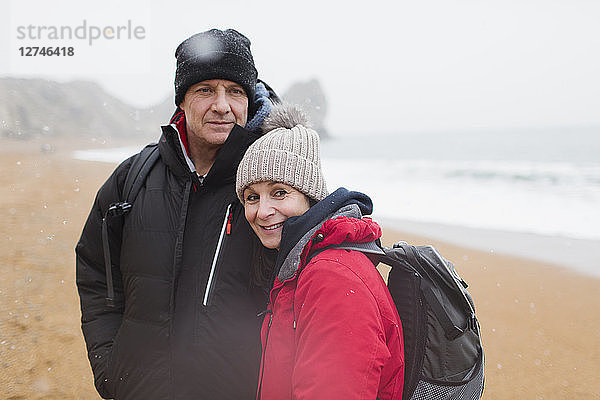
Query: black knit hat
x,y
215,54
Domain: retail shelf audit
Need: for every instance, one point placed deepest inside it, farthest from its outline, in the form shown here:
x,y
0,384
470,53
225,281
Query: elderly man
x,y
181,321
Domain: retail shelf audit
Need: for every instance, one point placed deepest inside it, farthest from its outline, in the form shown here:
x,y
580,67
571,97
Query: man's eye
x,y
203,90
237,92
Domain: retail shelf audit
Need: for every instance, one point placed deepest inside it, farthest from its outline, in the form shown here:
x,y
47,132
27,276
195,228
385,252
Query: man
x,y
183,323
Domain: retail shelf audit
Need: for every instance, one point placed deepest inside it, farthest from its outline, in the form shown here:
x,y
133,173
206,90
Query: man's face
x,y
211,108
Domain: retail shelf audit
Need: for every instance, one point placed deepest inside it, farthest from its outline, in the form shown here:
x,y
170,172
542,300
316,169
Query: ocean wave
x,y
558,199
548,198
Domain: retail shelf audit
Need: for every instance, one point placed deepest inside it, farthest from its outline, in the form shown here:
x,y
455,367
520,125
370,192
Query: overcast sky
x,y
384,66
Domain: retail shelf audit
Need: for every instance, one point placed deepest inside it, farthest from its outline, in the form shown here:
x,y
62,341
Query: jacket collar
x,y
295,227
292,261
174,154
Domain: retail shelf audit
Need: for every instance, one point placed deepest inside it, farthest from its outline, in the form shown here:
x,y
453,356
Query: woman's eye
x,y
252,198
280,193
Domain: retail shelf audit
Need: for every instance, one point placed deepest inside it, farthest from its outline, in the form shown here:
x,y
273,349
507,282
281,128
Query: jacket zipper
x,y
225,229
262,363
269,311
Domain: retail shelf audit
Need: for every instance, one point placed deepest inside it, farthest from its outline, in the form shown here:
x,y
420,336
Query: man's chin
x,y
218,137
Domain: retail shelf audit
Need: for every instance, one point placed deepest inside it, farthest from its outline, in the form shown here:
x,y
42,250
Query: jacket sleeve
x,y
99,322
340,339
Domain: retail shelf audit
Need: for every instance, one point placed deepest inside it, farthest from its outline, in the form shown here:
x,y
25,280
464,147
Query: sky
x,y
385,67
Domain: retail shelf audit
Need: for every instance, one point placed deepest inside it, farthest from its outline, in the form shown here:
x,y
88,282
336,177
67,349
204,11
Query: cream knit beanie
x,y
288,153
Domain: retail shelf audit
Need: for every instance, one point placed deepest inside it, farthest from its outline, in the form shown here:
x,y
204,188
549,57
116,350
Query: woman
x,y
331,330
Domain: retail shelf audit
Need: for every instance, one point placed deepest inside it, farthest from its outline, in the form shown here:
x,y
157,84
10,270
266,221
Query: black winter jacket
x,y
185,322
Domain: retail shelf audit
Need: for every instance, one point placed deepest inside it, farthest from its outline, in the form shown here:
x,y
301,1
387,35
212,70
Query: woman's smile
x,y
266,202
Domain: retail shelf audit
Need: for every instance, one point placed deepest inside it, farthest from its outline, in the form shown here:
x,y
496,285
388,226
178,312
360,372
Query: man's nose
x,y
221,102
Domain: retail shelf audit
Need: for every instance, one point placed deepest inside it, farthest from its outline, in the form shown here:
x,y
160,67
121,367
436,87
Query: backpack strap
x,y
369,248
136,176
140,167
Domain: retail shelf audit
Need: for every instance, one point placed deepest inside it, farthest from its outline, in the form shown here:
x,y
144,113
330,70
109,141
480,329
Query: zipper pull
x,y
229,223
264,312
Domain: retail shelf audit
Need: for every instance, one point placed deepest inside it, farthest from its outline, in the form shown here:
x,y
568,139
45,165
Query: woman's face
x,y
268,205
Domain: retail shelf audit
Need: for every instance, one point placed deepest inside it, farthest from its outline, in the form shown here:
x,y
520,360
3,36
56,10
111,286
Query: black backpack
x,y
141,165
442,345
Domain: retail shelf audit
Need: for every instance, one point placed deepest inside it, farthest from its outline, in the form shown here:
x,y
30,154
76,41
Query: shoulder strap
x,y
369,248
140,168
136,176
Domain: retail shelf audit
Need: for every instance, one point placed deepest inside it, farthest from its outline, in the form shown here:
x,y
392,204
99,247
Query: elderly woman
x,y
331,330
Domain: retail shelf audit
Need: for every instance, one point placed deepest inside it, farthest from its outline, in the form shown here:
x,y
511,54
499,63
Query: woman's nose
x,y
265,209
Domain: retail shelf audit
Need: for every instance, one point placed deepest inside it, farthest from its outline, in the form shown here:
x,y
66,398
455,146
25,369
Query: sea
x,y
543,182
534,181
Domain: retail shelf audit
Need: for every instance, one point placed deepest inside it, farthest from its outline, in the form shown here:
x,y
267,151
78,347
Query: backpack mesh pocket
x,y
471,389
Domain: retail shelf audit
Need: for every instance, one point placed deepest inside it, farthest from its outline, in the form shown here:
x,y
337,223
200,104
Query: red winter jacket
x,y
332,330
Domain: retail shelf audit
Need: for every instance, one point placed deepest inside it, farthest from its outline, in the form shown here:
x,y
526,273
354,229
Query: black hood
x,y
296,227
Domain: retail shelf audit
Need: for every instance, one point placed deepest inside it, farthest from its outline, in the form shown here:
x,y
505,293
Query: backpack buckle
x,y
117,209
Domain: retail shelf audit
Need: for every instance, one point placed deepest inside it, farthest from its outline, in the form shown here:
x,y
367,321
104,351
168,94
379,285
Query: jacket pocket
x,y
212,275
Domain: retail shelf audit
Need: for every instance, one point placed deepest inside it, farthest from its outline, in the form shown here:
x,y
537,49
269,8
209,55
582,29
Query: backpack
x,y
442,344
141,165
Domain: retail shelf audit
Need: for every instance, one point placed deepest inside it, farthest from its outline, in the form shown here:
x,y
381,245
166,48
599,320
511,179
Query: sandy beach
x,y
540,321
